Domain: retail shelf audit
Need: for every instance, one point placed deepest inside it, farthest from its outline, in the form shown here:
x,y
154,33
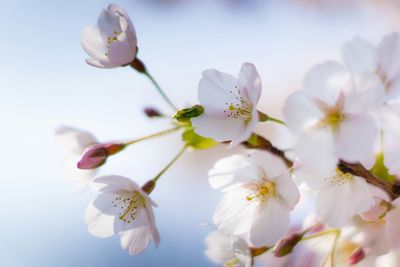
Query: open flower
x,y
112,42
230,251
76,141
362,57
340,195
123,208
230,105
330,117
259,194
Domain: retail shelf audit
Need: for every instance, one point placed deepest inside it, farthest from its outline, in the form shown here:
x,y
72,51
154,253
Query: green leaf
x,y
184,115
380,170
196,141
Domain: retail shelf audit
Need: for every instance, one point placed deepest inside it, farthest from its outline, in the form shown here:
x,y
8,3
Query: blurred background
x,y
45,83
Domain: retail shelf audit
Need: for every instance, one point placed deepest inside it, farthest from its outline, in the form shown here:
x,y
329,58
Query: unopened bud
x,y
96,155
149,186
184,115
152,112
357,256
285,246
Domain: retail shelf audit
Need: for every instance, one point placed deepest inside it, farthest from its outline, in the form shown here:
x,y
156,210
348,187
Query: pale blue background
x,y
45,83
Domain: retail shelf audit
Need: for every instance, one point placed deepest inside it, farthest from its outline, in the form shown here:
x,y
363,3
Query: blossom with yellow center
x,y
258,196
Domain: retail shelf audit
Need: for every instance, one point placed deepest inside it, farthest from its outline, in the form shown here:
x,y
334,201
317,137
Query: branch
x,y
354,168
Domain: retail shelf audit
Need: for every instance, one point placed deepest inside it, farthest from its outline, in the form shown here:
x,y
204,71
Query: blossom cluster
x,y
344,155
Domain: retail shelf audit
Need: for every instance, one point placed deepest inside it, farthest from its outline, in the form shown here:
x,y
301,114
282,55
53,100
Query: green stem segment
x,y
155,179
152,136
157,86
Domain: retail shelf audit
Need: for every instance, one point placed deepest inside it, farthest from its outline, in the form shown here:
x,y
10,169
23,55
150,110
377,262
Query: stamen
x,y
240,110
130,204
262,191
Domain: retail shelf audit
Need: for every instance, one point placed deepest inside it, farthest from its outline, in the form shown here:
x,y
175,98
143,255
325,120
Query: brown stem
x,y
354,168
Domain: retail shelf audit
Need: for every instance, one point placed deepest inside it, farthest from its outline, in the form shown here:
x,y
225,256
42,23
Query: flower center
x,y
232,262
111,39
129,205
333,115
242,109
340,177
262,191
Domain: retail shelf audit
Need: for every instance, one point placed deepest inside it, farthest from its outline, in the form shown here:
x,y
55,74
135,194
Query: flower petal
x,y
99,223
359,56
393,227
271,222
355,137
271,164
250,80
74,139
115,184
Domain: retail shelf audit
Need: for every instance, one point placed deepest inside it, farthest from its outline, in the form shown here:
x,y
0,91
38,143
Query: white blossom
x,y
76,141
112,42
330,117
227,251
230,104
258,196
123,208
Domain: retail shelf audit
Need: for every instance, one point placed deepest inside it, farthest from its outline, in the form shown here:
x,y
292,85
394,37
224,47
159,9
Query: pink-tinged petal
x,y
75,140
375,212
233,169
220,129
271,164
99,223
100,64
271,222
355,137
96,155
325,82
121,52
389,63
359,56
318,142
287,190
215,91
93,43
108,22
251,81
114,184
300,112
392,230
234,214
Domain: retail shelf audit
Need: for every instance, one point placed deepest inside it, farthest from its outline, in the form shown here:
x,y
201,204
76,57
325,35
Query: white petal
x,y
135,240
101,64
300,112
318,142
93,43
287,190
219,248
75,140
214,91
312,180
338,202
218,128
359,56
249,128
115,184
271,164
233,169
234,214
99,223
389,62
271,222
241,250
393,227
325,81
250,80
355,137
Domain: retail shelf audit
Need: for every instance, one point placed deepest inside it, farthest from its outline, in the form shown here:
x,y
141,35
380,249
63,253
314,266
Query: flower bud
x,y
357,256
285,245
96,155
152,112
184,115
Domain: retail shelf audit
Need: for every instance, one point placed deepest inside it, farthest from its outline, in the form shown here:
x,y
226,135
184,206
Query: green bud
x,y
184,115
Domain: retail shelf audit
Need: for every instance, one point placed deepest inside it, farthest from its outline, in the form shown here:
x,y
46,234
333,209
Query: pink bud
x,y
285,246
357,256
94,156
